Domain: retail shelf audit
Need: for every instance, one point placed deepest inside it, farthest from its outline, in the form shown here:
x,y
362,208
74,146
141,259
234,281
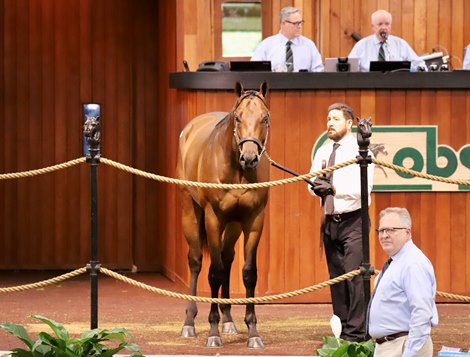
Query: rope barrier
x,y
236,301
223,185
41,284
266,184
44,170
160,178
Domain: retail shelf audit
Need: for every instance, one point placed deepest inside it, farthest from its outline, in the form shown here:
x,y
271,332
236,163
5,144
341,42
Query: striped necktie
x,y
382,52
289,57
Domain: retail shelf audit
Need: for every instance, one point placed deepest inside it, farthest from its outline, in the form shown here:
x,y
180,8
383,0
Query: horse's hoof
x,y
188,331
255,342
229,328
214,341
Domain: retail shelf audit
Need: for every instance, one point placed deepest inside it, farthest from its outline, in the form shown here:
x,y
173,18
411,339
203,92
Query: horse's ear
x,y
239,89
264,88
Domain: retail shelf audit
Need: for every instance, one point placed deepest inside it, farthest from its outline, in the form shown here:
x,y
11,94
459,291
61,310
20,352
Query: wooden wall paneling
x,y
444,262
144,252
309,237
335,33
22,156
3,125
32,134
427,201
457,24
432,25
348,11
124,133
277,263
445,28
455,136
72,120
420,20
85,96
46,118
293,192
168,114
60,78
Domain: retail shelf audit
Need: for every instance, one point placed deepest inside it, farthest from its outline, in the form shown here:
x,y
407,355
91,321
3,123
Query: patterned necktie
x,y
289,57
386,265
382,51
329,202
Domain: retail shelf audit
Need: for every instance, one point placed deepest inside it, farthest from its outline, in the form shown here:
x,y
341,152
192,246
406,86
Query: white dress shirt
x,y
405,299
273,48
347,180
396,49
466,59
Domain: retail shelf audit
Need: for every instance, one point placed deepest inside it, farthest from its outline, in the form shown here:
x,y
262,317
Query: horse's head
x,y
364,131
91,130
251,124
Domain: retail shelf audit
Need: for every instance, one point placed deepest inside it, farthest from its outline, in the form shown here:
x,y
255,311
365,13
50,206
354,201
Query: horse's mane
x,y
223,121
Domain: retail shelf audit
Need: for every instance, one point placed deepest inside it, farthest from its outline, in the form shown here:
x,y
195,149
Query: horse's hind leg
x,y
193,229
231,235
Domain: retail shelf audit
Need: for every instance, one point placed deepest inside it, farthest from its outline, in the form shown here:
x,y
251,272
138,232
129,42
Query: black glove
x,y
322,186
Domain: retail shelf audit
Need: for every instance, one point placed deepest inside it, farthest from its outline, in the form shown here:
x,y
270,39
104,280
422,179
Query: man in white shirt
x,y
289,51
393,48
466,59
342,231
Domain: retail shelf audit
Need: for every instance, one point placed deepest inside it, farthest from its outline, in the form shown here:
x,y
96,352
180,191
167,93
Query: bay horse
x,y
224,147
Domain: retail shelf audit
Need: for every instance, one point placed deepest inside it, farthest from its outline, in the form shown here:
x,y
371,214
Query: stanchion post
x,y
91,149
364,159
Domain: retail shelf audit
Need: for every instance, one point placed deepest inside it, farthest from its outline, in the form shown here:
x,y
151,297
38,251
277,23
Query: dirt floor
x,y
155,321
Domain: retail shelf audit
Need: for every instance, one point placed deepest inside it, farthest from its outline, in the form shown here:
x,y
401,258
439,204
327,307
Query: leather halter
x,y
240,141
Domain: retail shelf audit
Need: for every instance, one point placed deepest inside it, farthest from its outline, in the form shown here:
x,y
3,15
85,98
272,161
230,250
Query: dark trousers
x,y
343,249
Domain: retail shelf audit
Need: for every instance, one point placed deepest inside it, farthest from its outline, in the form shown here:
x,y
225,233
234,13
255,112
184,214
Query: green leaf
x,y
18,331
57,327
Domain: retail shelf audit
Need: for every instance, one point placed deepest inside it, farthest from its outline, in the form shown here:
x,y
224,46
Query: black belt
x,y
391,337
338,217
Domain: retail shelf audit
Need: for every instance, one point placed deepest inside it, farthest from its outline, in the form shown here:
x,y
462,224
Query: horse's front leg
x,y
216,275
231,235
252,235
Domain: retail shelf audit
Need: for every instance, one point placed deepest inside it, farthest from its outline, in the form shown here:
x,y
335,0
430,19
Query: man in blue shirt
x,y
403,308
289,51
394,48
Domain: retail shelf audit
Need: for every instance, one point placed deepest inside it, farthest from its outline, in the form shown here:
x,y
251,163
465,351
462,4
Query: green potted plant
x,y
95,342
337,347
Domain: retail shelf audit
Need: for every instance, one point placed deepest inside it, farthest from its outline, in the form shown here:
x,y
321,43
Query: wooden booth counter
x,y
424,120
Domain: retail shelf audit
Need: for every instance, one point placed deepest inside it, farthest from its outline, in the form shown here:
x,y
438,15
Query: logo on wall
x,y
415,148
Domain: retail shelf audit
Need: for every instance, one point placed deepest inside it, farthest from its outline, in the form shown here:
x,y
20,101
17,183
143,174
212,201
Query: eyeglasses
x,y
388,230
297,23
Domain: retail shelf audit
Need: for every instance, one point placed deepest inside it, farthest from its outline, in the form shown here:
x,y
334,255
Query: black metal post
x,y
363,134
91,149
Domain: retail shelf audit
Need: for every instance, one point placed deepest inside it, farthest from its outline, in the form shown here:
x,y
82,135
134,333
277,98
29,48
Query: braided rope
x,y
419,174
224,185
239,301
43,283
44,170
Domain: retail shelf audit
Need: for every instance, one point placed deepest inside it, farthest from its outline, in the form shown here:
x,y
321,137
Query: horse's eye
x,y
266,120
237,119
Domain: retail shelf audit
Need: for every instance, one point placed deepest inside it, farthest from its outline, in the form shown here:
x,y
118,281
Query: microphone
x,y
383,34
357,37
